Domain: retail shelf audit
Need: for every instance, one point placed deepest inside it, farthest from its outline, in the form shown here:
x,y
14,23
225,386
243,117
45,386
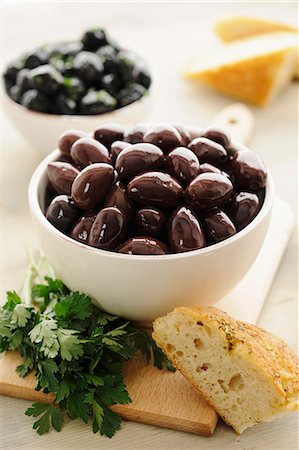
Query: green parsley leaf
x,y
45,333
12,300
77,406
74,306
51,415
70,347
21,314
24,368
46,375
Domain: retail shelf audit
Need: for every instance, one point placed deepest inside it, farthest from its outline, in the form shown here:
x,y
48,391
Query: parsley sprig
x,y
77,353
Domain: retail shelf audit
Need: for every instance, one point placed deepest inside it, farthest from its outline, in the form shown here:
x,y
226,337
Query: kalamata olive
x,y
143,246
206,167
116,148
138,158
62,213
150,222
155,189
217,134
67,139
63,105
87,151
184,231
243,208
81,230
118,197
91,185
108,229
164,136
61,176
185,135
106,134
135,133
208,151
183,164
249,171
97,102
208,190
218,226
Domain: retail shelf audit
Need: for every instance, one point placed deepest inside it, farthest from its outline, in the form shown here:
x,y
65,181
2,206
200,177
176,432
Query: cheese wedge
x,y
254,70
236,28
247,374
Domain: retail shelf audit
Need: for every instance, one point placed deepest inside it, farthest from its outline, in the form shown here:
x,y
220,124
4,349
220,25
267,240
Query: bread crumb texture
x,y
247,374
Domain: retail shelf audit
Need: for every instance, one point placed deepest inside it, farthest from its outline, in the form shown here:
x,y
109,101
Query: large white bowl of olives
x,y
77,85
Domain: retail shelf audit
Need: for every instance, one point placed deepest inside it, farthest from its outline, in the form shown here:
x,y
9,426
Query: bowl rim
x,y
79,117
36,210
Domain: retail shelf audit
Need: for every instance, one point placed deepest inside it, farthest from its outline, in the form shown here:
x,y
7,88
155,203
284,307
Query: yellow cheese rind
x,y
235,28
249,80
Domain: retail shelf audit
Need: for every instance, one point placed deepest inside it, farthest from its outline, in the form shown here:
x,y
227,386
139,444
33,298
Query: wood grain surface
x,y
158,397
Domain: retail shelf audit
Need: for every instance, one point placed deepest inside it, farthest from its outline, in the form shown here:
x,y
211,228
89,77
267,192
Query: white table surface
x,y
168,34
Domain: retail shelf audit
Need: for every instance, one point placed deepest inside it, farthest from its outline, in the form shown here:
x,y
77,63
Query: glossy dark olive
x,y
164,136
209,190
87,151
81,230
94,39
97,102
208,151
67,139
155,189
218,226
45,79
243,209
116,148
61,176
135,133
150,222
185,135
206,167
217,134
138,158
91,185
62,213
184,231
249,171
108,229
106,134
143,246
183,164
118,197
88,67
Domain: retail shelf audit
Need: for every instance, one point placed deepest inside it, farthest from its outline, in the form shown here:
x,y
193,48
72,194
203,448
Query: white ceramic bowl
x,y
42,130
141,287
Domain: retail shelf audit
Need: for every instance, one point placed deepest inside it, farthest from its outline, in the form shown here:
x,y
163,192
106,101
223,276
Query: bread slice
x,y
239,27
254,70
235,28
247,374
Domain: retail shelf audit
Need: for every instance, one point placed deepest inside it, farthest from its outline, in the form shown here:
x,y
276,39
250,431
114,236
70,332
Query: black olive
x,y
38,57
125,65
97,102
45,79
111,83
22,81
109,58
63,105
14,93
35,100
130,93
66,50
12,70
88,67
94,39
74,88
141,74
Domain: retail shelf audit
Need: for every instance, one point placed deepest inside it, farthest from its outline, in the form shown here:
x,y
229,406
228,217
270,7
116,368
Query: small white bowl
x,y
141,287
42,130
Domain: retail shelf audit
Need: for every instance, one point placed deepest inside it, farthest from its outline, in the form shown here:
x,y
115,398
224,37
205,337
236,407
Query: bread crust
x,y
271,357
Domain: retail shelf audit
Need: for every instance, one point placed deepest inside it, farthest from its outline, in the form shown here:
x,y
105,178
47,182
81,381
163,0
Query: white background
x,y
168,35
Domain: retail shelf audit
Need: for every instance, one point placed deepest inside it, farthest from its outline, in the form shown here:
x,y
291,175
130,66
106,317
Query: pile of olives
x,y
91,76
153,190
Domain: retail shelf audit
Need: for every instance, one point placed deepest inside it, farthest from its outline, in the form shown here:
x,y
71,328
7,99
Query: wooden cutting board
x,y
162,398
